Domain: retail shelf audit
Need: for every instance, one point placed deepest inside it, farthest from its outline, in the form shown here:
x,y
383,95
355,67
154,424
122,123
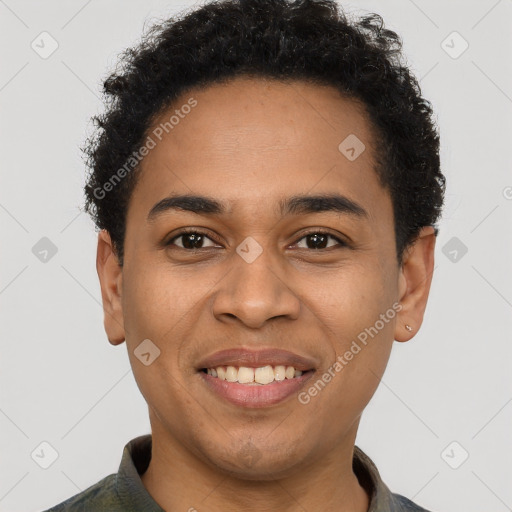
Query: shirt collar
x,y
137,455
380,497
130,489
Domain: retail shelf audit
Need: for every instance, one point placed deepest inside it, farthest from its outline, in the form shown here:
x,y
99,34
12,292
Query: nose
x,y
256,292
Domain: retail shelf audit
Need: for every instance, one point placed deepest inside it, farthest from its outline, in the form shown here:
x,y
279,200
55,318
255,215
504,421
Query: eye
x,y
318,240
190,240
193,240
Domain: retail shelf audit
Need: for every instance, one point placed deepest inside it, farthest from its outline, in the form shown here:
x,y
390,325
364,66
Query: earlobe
x,y
110,274
414,284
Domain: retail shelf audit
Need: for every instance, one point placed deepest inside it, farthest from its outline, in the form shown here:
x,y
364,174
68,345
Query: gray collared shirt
x,y
124,491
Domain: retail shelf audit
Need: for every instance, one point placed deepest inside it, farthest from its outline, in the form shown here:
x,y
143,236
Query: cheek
x,y
154,300
360,355
154,310
165,306
357,312
353,298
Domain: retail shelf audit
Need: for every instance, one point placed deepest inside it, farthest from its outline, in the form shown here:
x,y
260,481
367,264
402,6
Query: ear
x,y
110,274
414,283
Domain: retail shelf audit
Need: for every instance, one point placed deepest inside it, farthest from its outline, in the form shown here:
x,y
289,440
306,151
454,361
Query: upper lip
x,y
257,358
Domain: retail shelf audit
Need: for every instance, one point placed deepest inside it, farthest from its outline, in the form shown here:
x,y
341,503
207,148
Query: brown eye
x,y
190,240
318,240
193,240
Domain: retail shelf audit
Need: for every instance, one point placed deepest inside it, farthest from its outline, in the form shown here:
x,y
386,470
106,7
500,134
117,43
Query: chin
x,y
260,471
253,463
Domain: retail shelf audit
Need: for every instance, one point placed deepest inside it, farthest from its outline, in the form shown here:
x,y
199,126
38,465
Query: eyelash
x,y
202,233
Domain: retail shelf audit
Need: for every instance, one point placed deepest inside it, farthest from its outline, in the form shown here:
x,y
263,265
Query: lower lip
x,y
255,396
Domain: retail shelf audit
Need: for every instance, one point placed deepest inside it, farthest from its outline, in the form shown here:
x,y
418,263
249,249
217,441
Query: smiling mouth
x,y
260,376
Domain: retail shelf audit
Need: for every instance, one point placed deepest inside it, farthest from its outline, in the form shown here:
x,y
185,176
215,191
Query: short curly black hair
x,y
309,40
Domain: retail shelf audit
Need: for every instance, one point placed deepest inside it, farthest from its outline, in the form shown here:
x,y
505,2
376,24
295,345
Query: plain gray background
x,y
446,394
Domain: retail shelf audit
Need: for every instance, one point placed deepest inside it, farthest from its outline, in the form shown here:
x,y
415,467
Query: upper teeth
x,y
246,375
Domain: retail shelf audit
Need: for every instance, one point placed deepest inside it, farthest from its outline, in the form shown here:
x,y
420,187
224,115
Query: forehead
x,y
249,141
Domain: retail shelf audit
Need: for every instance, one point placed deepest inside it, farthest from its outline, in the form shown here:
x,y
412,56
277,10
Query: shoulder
x,y
381,497
403,504
99,496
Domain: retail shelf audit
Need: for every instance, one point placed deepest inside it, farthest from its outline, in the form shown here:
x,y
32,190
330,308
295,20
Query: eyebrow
x,y
295,205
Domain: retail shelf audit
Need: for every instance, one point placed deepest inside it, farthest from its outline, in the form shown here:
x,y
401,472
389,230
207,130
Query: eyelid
x,y
322,231
186,231
311,231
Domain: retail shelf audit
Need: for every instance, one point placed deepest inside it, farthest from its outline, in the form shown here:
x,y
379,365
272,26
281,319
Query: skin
x,y
251,143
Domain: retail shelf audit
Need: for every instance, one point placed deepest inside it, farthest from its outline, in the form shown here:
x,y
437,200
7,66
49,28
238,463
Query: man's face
x,y
253,279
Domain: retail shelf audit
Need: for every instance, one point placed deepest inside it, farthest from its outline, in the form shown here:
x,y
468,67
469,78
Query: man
x,y
266,182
